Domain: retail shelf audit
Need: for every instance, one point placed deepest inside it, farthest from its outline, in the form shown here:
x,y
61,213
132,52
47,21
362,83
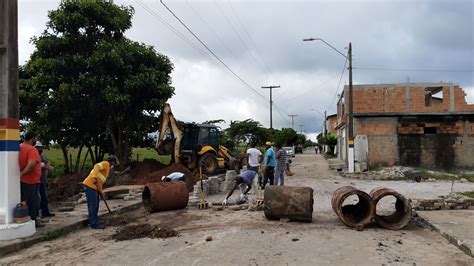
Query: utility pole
x,y
350,142
271,102
351,122
10,125
292,121
350,150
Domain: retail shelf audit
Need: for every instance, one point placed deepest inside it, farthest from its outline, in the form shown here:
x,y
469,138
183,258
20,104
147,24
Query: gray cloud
x,y
384,34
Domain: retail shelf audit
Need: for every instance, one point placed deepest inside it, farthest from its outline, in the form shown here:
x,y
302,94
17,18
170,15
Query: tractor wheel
x,y
208,162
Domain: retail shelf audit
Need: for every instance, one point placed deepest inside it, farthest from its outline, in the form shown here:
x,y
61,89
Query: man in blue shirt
x,y
246,177
269,165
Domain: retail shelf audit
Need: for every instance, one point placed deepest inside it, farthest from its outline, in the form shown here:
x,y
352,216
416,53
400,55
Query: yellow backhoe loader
x,y
193,145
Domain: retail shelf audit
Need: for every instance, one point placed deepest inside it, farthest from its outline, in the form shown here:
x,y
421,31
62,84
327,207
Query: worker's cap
x,y
268,143
112,159
39,144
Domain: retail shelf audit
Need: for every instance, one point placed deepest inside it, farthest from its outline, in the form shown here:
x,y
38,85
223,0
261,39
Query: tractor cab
x,y
199,139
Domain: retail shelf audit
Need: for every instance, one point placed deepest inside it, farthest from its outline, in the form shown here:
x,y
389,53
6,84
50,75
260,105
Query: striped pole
x,y
9,112
9,168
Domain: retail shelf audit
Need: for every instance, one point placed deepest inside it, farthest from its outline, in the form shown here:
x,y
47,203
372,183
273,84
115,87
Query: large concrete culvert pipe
x,y
356,215
402,214
294,203
165,196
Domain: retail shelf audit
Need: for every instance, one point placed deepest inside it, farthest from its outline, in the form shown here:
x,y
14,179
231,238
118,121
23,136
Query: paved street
x,y
246,237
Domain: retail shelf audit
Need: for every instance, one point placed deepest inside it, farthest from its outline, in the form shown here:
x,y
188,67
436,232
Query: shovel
x,y
103,198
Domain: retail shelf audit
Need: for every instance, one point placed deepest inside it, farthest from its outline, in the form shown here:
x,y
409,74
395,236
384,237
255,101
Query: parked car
x,y
289,151
298,149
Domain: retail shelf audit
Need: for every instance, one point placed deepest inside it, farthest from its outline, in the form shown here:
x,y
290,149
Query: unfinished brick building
x,y
415,124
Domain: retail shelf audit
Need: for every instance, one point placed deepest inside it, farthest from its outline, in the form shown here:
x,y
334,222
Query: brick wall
x,y
382,139
393,140
398,98
447,143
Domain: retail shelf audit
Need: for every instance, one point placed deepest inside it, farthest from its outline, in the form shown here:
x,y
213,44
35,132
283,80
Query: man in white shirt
x,y
254,158
173,177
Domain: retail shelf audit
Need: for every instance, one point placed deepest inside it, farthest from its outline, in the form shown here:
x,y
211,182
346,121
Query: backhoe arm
x,y
167,120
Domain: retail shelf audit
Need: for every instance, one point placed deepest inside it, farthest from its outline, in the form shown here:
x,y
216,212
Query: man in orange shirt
x,y
93,185
30,167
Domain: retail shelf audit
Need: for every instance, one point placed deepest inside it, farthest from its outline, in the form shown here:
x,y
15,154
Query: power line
x,y
220,60
211,29
307,91
171,28
414,70
339,84
293,120
249,37
240,37
279,112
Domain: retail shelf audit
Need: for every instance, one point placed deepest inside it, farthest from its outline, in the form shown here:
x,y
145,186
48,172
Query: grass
x,y
469,194
55,158
446,176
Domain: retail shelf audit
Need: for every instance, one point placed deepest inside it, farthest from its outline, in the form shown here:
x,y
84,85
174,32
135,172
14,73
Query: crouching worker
x,y
173,177
246,177
93,186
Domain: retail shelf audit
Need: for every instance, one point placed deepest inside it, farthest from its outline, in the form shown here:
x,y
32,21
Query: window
x,y
213,137
433,95
203,136
430,130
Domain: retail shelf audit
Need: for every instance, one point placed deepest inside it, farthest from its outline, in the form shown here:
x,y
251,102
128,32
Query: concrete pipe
x,y
164,196
353,215
294,203
398,219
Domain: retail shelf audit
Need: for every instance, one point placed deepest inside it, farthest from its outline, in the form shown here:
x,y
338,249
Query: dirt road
x,y
247,238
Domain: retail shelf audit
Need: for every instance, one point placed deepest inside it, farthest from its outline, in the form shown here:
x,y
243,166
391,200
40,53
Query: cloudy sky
x,y
261,41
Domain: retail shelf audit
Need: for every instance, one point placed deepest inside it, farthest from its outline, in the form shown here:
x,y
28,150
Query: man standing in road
x,y
281,165
30,167
45,168
269,165
93,186
254,158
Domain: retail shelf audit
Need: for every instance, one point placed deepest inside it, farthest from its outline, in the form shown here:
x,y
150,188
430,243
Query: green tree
x,y
246,131
285,137
86,84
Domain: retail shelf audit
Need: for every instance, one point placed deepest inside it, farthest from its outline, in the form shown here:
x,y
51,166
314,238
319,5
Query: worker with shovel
x,y
93,187
246,178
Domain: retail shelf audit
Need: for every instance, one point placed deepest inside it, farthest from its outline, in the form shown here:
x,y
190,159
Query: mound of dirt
x,y
142,230
140,169
63,187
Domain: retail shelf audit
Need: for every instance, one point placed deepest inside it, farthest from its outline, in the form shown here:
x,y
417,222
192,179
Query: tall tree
x,y
247,131
286,137
86,84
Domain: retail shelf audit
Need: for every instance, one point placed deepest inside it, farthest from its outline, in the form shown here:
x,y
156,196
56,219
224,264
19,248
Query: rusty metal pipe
x,y
402,215
294,203
164,196
358,215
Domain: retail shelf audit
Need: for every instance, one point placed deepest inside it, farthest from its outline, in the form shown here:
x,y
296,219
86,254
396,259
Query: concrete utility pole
x,y
9,124
350,142
301,129
292,121
271,102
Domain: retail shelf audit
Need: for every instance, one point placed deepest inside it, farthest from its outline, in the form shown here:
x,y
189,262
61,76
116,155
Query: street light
x,y
351,122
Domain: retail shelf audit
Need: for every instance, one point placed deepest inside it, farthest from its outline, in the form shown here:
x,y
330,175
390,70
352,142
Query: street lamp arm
x,y
319,39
